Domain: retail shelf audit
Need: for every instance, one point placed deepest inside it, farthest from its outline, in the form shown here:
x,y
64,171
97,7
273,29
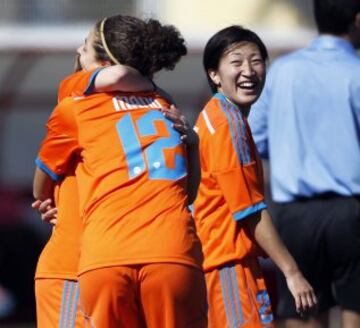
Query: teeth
x,y
247,84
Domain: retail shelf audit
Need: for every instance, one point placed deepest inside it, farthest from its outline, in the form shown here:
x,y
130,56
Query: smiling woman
x,y
230,210
234,60
241,74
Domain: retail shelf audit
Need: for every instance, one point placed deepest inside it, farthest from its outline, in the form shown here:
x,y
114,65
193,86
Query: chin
x,y
245,104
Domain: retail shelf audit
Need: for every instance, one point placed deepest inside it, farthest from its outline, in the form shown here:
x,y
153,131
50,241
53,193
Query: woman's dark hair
x,y
220,42
335,16
146,46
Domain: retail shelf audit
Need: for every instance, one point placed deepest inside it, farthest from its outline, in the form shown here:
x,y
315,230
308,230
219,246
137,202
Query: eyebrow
x,y
241,54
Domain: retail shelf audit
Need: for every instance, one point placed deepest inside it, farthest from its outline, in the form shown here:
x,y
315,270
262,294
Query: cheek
x,y
228,76
261,72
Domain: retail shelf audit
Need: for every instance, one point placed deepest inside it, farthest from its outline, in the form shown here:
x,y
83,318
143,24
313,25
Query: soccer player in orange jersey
x,y
230,212
56,287
140,255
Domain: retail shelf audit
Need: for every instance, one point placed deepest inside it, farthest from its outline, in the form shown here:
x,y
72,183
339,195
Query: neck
x,y
244,110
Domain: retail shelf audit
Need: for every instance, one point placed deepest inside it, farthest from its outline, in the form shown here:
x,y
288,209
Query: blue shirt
x,y
307,121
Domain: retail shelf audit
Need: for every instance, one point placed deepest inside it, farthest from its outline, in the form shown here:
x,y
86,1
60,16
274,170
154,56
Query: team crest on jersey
x,y
134,102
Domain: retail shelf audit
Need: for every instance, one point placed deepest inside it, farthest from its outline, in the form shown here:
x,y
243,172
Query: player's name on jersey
x,y
134,102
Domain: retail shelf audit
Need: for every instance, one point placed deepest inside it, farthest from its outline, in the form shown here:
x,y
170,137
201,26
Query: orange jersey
x,y
77,84
132,181
60,256
231,186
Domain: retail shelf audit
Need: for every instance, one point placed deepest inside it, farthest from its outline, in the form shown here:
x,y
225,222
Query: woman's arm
x,y
264,232
191,139
43,185
43,191
121,78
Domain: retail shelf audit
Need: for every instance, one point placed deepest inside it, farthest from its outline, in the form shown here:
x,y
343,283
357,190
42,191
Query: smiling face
x,y
87,54
240,75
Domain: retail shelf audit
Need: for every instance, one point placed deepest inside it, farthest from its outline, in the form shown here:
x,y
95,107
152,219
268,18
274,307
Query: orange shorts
x,y
153,296
57,303
237,296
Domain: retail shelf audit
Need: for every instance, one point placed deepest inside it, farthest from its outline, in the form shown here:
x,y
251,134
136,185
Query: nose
x,y
78,50
247,68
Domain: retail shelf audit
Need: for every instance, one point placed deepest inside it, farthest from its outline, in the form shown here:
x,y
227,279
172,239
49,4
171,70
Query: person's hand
x,y
47,210
302,292
180,124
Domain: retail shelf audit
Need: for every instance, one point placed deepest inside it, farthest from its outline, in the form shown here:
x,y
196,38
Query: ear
x,y
105,63
214,76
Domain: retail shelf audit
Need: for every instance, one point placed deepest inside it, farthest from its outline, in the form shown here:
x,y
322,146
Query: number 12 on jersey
x,y
153,158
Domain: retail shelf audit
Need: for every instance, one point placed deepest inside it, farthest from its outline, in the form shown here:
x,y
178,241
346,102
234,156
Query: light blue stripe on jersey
x,y
231,297
237,128
75,305
248,211
246,140
63,302
241,133
90,87
44,168
223,291
232,132
69,303
237,294
231,116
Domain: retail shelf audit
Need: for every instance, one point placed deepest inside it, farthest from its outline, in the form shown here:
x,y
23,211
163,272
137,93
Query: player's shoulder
x,y
64,109
66,102
216,114
353,66
283,62
78,83
68,84
74,77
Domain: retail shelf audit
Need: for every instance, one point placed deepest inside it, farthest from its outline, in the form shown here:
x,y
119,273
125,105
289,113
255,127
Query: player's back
x,y
132,183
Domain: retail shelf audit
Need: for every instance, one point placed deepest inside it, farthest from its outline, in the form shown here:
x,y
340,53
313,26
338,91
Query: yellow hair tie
x,y
103,41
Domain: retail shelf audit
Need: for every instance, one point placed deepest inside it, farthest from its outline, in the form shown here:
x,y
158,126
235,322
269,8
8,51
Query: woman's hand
x,y
47,210
301,290
191,140
180,124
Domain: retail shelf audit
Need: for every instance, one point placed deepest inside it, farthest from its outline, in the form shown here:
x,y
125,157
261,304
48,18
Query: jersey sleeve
x,y
78,84
232,162
60,142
